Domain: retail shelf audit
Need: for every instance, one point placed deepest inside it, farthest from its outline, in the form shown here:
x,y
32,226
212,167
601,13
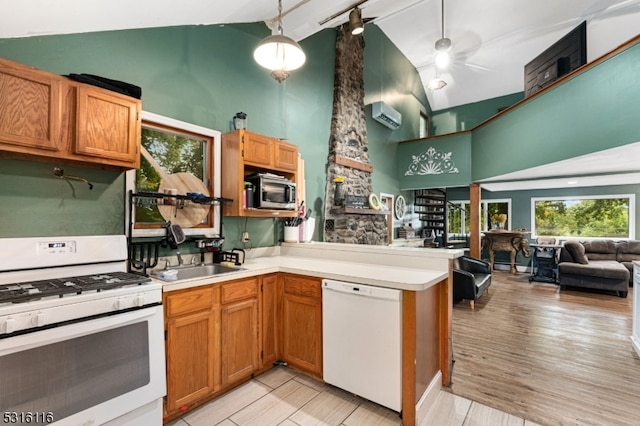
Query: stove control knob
x,y
119,304
38,319
139,300
10,325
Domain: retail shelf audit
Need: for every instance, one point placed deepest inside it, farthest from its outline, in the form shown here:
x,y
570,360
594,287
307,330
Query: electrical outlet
x,y
245,237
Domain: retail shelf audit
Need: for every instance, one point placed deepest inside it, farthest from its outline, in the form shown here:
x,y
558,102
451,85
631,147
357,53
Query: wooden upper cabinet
x,y
107,126
30,109
258,149
286,156
246,153
270,153
43,115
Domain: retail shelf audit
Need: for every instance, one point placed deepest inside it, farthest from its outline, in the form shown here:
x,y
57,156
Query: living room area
x,y
547,352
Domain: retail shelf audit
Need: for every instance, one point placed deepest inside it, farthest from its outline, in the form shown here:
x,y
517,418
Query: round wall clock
x,y
400,207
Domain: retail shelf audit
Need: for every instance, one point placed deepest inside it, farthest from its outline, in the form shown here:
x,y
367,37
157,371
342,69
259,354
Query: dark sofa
x,y
598,264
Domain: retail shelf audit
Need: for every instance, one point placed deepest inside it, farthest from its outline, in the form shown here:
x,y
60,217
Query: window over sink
x,y
176,158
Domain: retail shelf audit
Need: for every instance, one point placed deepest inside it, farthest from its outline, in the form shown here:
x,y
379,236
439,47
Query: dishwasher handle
x,y
361,290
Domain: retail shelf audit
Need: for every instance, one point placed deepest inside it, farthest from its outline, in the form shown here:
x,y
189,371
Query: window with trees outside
x,y
175,147
585,217
494,214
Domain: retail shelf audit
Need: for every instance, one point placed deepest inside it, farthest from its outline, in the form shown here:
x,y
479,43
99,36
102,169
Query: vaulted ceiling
x,y
492,40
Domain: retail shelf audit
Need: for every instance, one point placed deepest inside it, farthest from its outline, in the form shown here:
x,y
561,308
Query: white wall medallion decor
x,y
400,207
431,162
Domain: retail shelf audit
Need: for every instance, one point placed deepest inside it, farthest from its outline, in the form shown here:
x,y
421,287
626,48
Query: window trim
x,y
485,211
151,120
632,214
423,127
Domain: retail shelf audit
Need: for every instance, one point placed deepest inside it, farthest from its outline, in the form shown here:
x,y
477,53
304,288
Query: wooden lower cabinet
x,y
219,335
239,330
190,347
268,321
301,323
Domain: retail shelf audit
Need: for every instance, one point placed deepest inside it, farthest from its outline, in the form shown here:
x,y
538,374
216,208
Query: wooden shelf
x,y
350,210
431,207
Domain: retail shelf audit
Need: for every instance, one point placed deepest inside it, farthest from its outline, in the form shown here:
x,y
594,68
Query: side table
x,y
544,262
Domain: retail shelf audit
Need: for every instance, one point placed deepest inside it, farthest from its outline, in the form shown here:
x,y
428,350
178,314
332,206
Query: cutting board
x,y
191,214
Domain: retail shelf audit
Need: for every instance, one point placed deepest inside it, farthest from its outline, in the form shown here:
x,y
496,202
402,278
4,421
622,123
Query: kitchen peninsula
x,y
280,290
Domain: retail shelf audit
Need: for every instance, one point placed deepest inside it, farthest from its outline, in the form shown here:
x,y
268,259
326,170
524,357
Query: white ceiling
x,y
492,39
615,166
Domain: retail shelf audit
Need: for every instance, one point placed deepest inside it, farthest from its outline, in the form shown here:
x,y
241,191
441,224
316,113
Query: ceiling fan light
x,y
436,84
355,22
443,44
443,59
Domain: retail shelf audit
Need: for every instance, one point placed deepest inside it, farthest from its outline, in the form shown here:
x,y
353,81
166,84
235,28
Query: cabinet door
x,y
30,109
190,359
258,149
239,340
268,320
286,156
302,323
108,126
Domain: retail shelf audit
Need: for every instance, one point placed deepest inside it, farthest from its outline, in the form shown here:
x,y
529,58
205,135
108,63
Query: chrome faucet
x,y
195,260
180,261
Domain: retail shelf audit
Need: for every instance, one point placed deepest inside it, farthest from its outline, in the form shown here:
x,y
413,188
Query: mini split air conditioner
x,y
386,115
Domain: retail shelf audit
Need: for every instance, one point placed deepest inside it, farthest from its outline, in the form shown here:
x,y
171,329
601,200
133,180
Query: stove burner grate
x,y
61,287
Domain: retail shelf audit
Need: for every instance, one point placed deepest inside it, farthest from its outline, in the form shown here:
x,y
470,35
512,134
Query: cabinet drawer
x,y
238,290
302,286
191,300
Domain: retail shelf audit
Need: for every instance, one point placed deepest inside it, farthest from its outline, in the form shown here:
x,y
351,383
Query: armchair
x,y
471,279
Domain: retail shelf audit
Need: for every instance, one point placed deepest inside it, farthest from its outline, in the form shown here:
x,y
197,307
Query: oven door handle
x,y
22,342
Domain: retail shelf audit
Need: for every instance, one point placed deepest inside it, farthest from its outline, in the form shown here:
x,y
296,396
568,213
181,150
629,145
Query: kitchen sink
x,y
190,272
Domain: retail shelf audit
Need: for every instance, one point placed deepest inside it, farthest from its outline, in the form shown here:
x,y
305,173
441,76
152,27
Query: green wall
x,y
593,111
466,117
204,75
455,148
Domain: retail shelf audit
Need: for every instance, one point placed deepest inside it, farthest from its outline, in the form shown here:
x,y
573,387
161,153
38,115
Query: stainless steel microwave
x,y
273,192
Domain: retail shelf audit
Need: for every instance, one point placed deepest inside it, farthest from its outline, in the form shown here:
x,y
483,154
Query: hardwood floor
x,y
551,357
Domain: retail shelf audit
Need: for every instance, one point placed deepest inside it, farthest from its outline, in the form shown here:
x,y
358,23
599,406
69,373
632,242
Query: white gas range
x,y
81,340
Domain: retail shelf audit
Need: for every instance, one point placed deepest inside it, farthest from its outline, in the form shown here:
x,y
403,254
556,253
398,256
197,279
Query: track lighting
x,y
355,21
279,53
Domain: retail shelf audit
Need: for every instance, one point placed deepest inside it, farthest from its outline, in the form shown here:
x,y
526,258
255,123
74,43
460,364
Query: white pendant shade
x,y
279,53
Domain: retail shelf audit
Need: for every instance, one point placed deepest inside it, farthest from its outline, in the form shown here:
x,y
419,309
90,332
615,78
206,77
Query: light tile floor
x,y
283,397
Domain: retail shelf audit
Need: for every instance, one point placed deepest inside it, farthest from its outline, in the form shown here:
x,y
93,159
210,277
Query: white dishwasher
x,y
362,341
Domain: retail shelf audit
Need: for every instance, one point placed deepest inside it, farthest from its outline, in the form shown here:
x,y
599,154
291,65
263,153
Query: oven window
x,y
66,377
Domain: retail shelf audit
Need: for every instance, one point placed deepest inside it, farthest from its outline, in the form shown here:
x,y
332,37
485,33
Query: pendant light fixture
x,y
279,53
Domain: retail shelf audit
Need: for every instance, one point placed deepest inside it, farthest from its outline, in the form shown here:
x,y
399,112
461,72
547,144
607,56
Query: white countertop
x,y
396,272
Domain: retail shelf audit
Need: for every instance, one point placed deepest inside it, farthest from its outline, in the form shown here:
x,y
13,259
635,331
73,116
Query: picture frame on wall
x,y
387,202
